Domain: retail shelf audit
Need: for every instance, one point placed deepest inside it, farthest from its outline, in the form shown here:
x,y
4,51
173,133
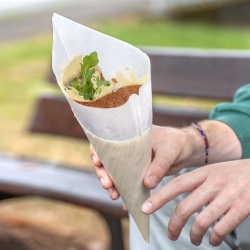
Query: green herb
x,y
101,83
84,85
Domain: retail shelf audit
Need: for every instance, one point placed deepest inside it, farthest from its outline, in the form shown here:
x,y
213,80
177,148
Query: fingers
x,y
225,187
113,193
191,204
159,166
94,157
181,184
125,207
157,170
205,219
227,224
103,176
107,182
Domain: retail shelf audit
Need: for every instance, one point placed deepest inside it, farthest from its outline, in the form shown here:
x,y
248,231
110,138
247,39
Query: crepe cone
x,y
121,134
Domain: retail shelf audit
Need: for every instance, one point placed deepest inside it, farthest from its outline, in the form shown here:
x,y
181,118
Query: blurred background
x,y
25,64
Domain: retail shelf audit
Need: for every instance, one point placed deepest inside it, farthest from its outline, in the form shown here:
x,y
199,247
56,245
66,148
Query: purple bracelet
x,y
204,138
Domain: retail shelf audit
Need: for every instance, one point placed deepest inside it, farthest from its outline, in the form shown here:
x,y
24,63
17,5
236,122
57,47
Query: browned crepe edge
x,y
114,99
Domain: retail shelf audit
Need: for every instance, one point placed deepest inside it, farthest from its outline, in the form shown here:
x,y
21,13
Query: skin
x,y
223,185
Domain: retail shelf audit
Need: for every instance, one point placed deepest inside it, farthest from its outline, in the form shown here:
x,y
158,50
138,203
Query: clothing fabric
x,y
236,114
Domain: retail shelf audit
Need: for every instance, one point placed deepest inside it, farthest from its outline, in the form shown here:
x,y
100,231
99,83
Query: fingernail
x,y
153,180
94,158
125,207
102,180
213,245
170,236
146,207
110,192
196,243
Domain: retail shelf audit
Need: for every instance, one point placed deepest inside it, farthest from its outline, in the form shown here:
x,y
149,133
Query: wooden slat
x,y
21,177
53,115
177,117
198,73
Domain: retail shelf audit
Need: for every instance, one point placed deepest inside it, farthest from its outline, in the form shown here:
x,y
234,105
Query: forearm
x,y
224,145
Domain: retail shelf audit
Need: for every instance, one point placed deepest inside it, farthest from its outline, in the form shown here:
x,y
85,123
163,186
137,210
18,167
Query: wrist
x,y
223,143
197,147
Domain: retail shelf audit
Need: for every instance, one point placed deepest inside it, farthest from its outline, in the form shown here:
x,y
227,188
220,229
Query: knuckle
x,y
182,210
231,195
221,181
201,222
161,168
219,232
233,222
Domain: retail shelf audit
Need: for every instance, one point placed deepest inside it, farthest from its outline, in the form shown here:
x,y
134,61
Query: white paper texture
x,y
121,136
131,119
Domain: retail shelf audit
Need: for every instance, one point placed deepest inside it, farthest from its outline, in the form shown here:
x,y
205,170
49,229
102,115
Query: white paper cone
x,y
126,162
121,136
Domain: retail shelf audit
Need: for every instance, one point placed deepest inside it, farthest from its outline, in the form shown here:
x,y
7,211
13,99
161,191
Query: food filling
x,y
84,82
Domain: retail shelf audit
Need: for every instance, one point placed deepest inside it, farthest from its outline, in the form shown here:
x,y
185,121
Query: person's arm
x,y
237,116
224,186
175,149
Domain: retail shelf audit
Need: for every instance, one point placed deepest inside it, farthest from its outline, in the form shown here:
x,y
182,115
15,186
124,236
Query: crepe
x,y
120,133
121,87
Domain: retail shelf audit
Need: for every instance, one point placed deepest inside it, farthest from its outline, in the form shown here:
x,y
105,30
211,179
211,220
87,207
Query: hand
x,y
169,145
173,149
225,187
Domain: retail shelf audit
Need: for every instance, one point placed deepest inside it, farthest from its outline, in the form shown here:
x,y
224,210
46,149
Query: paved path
x,y
37,18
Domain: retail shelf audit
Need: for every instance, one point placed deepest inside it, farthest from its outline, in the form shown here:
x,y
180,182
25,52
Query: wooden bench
x,y
175,72
30,177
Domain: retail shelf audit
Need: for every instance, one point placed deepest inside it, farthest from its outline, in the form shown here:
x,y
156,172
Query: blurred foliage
x,y
226,12
24,67
176,33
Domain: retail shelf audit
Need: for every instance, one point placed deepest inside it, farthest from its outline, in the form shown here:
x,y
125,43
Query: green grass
x,y
176,34
13,53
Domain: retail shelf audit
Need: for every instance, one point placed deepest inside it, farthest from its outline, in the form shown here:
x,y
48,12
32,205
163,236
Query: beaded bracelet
x,y
204,138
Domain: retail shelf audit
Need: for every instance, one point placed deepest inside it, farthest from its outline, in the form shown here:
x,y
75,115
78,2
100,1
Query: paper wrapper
x,y
121,136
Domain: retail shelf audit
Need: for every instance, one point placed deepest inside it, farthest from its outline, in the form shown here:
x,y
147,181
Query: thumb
x,y
157,169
